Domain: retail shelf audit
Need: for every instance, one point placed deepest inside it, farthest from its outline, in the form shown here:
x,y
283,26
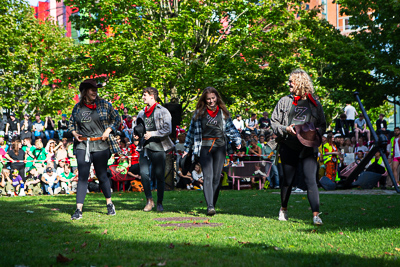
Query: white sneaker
x,y
57,190
191,186
298,190
22,193
201,187
317,220
188,187
283,215
50,190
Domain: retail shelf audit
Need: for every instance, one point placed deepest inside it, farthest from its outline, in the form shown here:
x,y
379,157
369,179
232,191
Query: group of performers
x,y
298,120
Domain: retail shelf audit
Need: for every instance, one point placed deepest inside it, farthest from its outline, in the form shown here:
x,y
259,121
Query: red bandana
x,y
148,111
296,99
94,106
213,113
309,96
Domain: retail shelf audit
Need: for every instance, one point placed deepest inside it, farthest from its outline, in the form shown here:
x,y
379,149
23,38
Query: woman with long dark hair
x,y
92,123
299,122
210,126
17,156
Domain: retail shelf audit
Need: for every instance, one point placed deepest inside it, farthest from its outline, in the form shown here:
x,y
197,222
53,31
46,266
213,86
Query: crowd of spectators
x,y
37,156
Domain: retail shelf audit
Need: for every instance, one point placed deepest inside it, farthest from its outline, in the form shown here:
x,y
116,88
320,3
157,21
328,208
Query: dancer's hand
x,y
239,146
290,130
147,135
76,135
184,154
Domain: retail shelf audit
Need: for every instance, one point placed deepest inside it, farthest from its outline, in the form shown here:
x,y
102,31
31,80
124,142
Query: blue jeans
x,y
273,177
60,134
128,135
54,186
49,134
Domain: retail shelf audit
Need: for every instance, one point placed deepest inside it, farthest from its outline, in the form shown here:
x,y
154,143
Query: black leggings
x,y
99,160
157,161
290,160
212,164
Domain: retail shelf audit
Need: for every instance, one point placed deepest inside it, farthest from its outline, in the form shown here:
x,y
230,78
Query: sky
x,y
34,2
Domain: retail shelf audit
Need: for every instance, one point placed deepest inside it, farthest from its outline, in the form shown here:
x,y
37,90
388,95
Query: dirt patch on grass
x,y
194,222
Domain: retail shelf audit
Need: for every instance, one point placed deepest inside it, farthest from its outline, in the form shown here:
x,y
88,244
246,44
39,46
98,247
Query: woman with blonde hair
x,y
299,122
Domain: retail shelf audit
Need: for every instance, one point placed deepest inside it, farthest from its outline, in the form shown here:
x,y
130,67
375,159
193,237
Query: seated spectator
x,y
50,181
2,125
71,156
360,127
62,126
134,169
252,124
258,173
26,127
261,141
269,153
179,149
17,156
360,145
6,186
49,128
238,122
381,125
61,151
254,151
341,125
13,127
17,182
51,149
184,180
264,124
359,156
66,179
125,115
38,128
74,181
28,148
348,148
33,183
127,127
123,166
197,175
40,155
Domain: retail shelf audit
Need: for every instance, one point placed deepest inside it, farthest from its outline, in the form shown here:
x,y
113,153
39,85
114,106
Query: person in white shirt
x,y
238,122
197,175
51,182
252,123
351,114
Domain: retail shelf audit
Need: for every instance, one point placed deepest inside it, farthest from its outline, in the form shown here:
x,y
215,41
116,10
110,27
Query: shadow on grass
x,y
40,236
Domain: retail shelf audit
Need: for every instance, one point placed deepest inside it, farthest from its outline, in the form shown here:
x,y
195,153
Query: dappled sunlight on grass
x,y
357,231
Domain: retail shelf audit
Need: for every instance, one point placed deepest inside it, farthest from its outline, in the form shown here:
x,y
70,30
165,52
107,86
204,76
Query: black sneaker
x,y
111,209
77,215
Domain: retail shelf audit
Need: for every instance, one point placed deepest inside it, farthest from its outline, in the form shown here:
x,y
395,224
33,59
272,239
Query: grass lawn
x,y
358,230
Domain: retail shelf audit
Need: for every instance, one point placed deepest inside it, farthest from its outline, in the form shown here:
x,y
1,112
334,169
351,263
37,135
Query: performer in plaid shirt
x,y
210,125
93,122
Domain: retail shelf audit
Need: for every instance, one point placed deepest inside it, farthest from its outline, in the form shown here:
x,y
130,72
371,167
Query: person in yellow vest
x,y
321,171
376,165
331,157
395,153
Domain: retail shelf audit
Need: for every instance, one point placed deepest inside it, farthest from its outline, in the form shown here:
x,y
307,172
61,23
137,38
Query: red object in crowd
x,y
179,130
134,154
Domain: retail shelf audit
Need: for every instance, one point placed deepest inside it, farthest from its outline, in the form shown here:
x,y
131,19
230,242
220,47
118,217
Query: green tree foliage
x,y
33,76
245,49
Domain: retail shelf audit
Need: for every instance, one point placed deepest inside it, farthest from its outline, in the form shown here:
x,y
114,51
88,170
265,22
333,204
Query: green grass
x,y
358,230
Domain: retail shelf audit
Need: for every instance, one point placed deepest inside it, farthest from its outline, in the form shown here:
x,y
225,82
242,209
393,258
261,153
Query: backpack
x,y
136,186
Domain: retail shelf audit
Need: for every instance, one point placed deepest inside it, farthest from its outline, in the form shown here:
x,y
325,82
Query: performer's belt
x,y
91,138
211,138
87,139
